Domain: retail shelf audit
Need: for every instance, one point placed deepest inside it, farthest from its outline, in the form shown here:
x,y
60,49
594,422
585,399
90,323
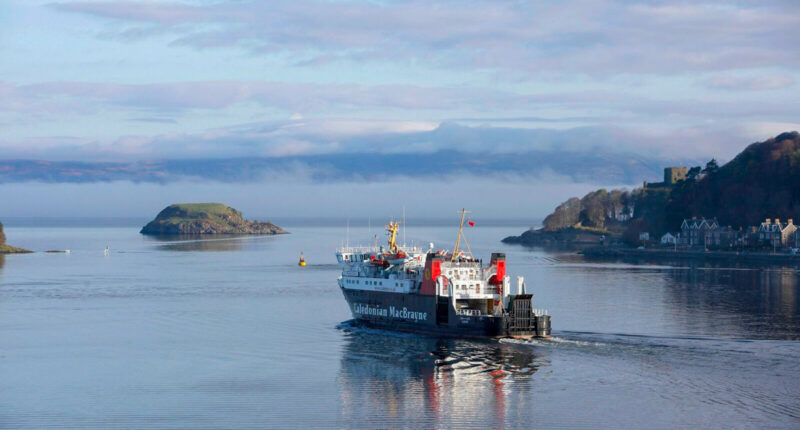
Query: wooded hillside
x,y
763,181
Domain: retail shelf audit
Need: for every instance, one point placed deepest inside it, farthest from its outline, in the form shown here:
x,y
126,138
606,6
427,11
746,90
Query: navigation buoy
x,y
106,251
302,261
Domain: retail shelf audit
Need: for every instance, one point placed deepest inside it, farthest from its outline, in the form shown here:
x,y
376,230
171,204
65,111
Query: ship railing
x,y
356,249
470,289
467,264
540,312
369,249
469,312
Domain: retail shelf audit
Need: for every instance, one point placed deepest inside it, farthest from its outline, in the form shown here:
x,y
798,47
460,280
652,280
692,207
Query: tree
x,y
711,167
565,215
692,174
594,208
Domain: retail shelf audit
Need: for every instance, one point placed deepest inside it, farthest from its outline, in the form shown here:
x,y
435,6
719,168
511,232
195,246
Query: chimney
x,y
791,221
777,220
769,221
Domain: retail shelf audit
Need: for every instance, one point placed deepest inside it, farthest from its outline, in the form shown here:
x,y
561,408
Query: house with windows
x,y
693,231
748,237
669,239
722,237
776,234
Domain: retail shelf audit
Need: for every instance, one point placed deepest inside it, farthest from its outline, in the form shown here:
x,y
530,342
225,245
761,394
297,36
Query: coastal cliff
x,y
206,219
8,249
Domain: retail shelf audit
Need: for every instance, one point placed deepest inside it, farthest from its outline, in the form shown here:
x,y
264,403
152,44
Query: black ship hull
x,y
434,315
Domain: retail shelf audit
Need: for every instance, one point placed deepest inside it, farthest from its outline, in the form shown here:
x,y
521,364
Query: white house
x,y
668,239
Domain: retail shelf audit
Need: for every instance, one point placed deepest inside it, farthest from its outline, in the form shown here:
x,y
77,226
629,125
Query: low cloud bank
x,y
508,197
597,166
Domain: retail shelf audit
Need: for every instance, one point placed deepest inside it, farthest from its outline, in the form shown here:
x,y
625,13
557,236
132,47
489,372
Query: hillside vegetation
x,y
763,181
205,218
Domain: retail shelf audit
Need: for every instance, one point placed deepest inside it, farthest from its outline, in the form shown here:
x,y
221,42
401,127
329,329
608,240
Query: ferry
x,y
439,292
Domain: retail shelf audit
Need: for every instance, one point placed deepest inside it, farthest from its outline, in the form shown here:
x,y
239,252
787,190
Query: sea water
x,y
232,333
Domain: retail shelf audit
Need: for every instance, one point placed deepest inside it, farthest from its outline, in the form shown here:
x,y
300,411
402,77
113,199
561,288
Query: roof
x,y
697,223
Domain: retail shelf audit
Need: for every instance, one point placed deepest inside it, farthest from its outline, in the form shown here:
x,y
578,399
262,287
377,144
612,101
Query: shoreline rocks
x,y
565,236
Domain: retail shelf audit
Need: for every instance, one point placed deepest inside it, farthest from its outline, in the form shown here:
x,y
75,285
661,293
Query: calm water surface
x,y
232,334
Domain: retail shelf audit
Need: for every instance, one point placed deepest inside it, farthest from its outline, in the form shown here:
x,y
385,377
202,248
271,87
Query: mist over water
x,y
231,333
507,196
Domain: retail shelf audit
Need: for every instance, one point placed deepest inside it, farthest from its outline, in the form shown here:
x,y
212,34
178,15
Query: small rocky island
x,y
8,249
206,219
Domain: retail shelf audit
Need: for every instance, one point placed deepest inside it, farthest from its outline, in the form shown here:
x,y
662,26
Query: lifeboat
x,y
378,261
397,258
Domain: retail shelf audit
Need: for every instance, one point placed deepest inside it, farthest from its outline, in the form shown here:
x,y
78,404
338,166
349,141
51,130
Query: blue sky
x,y
147,80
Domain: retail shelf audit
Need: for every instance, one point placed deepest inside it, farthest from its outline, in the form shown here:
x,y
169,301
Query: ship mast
x,y
460,235
392,233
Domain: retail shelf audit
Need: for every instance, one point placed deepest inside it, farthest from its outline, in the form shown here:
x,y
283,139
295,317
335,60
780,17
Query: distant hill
x,y
205,219
763,181
592,166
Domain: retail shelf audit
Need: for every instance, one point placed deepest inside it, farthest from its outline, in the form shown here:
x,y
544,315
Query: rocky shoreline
x,y
8,249
563,237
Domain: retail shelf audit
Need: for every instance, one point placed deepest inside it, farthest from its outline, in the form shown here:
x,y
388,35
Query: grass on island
x,y
8,249
181,212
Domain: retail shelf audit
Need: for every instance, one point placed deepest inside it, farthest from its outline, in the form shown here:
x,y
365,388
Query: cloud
x,y
757,83
578,36
329,152
293,97
162,102
324,136
156,120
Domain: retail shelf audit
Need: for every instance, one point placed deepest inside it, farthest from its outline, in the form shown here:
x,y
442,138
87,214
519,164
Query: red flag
x,y
471,224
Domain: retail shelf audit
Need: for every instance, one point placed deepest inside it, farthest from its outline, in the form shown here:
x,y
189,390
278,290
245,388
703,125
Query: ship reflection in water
x,y
390,379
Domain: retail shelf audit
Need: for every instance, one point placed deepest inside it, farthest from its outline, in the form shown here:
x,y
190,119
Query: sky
x,y
138,81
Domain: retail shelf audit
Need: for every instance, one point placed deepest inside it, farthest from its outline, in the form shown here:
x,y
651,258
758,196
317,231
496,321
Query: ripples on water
x,y
230,333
